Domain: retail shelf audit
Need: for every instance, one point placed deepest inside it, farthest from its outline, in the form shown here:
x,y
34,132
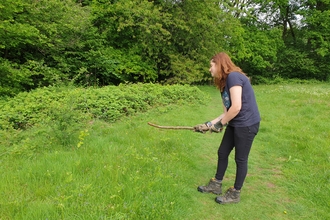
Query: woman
x,y
242,118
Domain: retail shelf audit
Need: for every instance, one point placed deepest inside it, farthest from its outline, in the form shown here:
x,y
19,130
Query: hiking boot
x,y
232,196
214,186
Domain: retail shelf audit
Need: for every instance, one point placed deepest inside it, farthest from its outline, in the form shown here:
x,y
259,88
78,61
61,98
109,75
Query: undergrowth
x,y
56,116
72,104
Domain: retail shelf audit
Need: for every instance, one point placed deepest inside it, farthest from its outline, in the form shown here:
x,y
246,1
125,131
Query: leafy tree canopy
x,y
108,42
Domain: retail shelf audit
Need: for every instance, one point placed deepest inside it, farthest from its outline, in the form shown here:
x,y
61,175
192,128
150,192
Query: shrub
x,y
67,105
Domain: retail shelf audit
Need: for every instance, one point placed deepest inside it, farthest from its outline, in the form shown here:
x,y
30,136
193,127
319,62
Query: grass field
x,y
129,170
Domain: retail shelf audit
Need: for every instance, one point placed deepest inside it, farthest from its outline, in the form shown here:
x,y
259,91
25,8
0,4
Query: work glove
x,y
202,128
217,127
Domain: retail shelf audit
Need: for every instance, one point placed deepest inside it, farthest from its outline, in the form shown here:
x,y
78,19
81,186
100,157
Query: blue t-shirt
x,y
249,113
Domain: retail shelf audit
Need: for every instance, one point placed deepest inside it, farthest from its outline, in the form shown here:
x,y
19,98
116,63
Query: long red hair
x,y
224,66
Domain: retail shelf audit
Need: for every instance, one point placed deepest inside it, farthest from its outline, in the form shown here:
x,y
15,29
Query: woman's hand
x,y
202,128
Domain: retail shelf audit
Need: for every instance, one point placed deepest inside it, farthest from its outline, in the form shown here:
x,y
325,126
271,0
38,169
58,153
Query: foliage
x,y
204,30
36,39
317,35
111,67
14,35
300,65
163,34
62,106
99,43
262,52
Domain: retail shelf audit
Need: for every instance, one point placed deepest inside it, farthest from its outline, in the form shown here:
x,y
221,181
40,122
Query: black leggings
x,y
241,138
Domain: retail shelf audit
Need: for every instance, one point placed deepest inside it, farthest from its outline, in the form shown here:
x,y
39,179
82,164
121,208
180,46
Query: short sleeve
x,y
235,79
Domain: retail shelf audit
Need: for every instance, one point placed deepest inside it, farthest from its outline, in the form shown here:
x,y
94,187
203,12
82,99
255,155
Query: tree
x,y
317,34
259,39
14,36
304,50
36,38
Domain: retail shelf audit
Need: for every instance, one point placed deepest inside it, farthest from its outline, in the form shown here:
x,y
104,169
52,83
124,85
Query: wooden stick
x,y
172,127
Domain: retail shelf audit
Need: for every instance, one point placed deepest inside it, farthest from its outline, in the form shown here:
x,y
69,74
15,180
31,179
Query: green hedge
x,y
72,104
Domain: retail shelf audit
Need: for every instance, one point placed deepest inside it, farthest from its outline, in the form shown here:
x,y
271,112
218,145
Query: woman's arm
x,y
236,105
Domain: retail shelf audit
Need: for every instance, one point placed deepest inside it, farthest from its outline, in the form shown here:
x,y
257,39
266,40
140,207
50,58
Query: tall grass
x,y
129,170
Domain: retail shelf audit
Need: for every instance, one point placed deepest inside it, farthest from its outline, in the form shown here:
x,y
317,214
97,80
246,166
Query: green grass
x,y
129,170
